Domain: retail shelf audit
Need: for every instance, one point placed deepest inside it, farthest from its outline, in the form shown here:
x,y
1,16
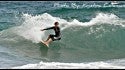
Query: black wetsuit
x,y
57,35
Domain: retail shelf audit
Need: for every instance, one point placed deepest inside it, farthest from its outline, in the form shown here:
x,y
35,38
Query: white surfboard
x,y
45,44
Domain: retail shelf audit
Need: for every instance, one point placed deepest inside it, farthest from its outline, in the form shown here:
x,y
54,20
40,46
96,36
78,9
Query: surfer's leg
x,y
50,36
49,41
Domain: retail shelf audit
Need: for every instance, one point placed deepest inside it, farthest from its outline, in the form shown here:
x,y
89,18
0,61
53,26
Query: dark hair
x,y
56,23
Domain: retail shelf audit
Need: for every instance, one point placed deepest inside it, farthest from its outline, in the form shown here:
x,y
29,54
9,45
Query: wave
x,y
30,29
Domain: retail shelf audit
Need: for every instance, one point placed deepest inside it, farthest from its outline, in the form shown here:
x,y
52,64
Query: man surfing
x,y
52,37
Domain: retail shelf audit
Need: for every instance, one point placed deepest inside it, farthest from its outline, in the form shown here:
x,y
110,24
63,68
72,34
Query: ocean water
x,y
93,35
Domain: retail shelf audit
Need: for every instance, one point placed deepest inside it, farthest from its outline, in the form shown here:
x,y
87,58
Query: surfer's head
x,y
56,23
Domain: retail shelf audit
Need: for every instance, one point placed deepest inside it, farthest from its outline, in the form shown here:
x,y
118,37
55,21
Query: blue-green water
x,y
93,32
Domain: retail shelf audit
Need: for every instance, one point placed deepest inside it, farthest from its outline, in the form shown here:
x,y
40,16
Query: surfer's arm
x,y
47,28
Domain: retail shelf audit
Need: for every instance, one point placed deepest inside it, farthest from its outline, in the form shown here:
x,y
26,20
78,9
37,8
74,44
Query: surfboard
x,y
45,44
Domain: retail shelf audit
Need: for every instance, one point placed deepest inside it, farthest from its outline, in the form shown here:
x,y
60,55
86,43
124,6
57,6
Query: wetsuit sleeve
x,y
48,28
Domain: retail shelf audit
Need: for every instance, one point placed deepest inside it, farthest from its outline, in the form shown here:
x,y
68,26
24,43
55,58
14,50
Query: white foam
x,y
58,65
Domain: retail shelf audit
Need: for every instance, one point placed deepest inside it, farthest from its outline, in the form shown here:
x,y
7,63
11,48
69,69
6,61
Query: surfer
x,y
52,37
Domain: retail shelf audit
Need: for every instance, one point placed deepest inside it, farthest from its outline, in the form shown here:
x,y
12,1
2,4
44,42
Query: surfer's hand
x,y
42,30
